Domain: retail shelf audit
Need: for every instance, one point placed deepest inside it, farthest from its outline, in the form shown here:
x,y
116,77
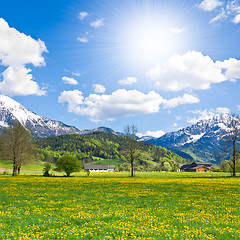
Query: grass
x,y
32,168
97,160
115,206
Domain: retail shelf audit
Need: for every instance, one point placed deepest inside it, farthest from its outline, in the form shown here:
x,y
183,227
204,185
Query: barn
x,y
196,167
99,168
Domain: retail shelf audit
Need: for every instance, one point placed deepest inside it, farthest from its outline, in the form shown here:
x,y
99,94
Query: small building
x,y
99,168
196,167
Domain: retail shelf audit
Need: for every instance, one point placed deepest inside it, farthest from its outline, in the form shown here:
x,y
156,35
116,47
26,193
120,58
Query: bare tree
x,y
132,145
17,146
232,138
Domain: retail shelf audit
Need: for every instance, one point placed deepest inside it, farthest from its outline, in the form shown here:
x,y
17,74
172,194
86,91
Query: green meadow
x,y
115,206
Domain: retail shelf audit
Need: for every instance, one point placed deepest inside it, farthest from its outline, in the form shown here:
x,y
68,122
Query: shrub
x,y
46,169
68,164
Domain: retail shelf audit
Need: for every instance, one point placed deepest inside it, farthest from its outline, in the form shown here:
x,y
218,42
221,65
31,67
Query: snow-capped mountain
x,y
12,111
202,141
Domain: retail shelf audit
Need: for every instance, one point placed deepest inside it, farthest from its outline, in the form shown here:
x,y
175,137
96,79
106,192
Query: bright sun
x,y
146,41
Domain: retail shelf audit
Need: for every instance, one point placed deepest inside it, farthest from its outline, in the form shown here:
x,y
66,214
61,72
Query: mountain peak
x,y
202,138
12,111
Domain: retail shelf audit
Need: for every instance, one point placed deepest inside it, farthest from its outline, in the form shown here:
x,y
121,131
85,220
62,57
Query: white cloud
x,y
82,39
177,30
19,81
82,15
229,9
231,67
17,50
68,80
156,134
185,99
108,107
128,81
192,70
209,5
207,114
201,115
119,103
97,23
223,110
73,98
98,88
238,106
220,17
76,73
236,19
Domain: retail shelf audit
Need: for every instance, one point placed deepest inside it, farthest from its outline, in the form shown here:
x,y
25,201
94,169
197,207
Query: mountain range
x,y
12,111
201,141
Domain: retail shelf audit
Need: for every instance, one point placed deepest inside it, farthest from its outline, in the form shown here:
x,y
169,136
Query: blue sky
x,y
160,65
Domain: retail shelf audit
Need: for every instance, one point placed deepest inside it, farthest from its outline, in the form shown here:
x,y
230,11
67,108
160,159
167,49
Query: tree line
x,y
17,146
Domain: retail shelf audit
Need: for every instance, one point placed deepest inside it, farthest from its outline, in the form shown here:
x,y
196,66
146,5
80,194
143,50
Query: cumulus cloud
x,y
82,15
231,68
68,80
118,104
19,81
98,88
17,50
97,23
209,5
128,81
156,134
192,70
73,98
108,107
185,99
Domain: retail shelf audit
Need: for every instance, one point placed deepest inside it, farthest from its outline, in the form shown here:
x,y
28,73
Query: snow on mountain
x,y
212,127
203,139
12,111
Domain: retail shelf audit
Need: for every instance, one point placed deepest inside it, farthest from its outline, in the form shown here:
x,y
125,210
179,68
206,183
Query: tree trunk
x,y
19,168
234,159
132,167
14,170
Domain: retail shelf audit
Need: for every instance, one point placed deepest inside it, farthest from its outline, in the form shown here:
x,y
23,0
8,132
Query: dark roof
x,y
195,165
199,167
92,166
204,163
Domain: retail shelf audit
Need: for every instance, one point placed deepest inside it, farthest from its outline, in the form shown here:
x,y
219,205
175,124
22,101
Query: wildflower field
x,y
115,206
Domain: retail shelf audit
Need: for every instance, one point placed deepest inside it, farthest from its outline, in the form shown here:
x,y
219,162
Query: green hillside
x,y
101,145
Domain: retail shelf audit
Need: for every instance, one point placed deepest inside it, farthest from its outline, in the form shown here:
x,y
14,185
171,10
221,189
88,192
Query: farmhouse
x,y
99,168
196,167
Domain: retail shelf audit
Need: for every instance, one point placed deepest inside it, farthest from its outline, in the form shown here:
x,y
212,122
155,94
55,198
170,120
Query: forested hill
x,y
104,145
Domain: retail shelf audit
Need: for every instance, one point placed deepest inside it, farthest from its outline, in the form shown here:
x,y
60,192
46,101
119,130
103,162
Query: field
x,y
98,160
115,206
